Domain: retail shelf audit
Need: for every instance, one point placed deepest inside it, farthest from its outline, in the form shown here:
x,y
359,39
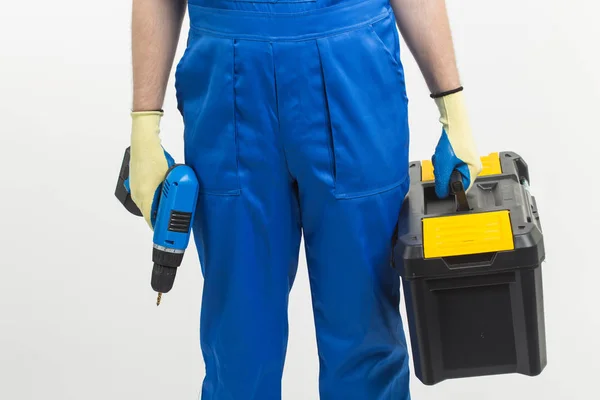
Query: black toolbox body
x,y
479,313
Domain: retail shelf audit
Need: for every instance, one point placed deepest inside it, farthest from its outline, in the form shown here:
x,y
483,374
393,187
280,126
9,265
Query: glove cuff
x,y
144,122
452,109
135,114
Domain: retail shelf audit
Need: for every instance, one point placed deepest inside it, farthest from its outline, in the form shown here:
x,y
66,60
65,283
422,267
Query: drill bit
x,y
158,299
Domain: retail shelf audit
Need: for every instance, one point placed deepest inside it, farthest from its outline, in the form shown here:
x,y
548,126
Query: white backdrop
x,y
77,315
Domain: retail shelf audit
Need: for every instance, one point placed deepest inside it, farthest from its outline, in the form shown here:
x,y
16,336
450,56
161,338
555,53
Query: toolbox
x,y
471,271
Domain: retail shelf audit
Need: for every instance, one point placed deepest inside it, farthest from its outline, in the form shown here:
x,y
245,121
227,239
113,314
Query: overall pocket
x,y
205,97
367,105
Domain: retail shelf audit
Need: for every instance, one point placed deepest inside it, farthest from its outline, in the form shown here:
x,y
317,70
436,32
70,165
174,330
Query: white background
x,y
77,315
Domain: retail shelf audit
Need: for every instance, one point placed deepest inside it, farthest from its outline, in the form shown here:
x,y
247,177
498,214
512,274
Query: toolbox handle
x,y
458,190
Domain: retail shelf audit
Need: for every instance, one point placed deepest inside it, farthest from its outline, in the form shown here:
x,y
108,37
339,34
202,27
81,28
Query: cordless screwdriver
x,y
172,216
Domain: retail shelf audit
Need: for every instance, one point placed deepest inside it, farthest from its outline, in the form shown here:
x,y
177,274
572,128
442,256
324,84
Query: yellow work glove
x,y
456,148
148,164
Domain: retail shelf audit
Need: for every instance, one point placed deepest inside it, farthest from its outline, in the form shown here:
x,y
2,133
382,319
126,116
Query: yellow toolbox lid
x,y
467,234
491,166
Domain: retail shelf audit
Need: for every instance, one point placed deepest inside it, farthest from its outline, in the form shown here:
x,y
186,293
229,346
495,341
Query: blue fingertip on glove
x,y
445,162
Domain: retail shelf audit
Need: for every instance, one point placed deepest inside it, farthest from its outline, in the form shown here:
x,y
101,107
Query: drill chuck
x,y
166,262
163,278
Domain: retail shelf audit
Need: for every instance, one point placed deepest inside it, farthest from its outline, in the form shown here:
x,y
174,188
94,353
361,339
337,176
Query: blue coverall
x,y
295,116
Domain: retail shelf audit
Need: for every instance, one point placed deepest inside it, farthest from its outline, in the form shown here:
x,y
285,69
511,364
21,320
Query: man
x,y
295,116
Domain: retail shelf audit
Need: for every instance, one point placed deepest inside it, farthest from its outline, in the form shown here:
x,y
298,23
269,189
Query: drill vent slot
x,y
166,186
180,221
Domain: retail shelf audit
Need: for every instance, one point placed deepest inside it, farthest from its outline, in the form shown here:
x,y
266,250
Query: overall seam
x,y
299,38
266,14
331,146
270,1
279,135
235,119
383,46
367,193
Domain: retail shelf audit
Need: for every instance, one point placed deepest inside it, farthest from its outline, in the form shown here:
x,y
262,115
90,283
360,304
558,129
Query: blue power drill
x,y
172,215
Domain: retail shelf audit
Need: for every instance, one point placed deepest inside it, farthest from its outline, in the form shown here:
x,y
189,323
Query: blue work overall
x,y
295,116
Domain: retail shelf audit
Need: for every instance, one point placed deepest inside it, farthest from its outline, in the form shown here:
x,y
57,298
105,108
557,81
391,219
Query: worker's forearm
x,y
156,25
425,28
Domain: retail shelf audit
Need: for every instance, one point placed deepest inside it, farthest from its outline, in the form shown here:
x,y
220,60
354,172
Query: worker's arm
x,y
425,28
156,26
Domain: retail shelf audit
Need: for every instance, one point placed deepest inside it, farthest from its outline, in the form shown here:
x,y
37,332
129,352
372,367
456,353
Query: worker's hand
x,y
148,162
456,149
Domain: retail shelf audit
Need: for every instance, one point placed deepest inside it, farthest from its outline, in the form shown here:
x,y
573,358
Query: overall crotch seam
x,y
331,144
279,134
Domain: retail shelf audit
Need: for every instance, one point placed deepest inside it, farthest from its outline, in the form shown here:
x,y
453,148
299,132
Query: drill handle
x,y
122,191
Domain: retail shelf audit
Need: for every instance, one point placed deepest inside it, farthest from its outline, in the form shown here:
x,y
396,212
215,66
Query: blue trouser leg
x,y
287,133
348,156
248,228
